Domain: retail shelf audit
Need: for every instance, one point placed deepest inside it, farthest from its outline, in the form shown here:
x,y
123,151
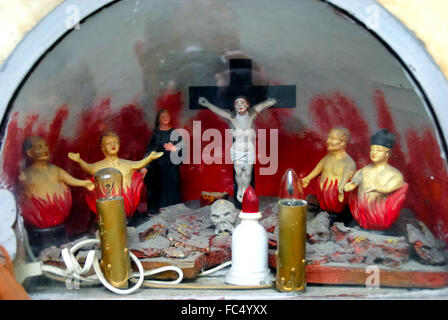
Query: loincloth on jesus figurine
x,y
46,212
380,213
131,195
242,151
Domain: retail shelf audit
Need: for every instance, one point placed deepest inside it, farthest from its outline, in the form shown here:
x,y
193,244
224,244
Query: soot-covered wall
x,y
135,57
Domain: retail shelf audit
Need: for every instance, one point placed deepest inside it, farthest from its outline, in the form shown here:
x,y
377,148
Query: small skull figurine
x,y
223,215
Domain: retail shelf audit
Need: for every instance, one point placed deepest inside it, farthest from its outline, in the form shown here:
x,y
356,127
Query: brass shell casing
x,y
291,246
115,259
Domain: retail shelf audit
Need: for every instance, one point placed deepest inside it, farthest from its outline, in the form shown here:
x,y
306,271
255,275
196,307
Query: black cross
x,y
240,84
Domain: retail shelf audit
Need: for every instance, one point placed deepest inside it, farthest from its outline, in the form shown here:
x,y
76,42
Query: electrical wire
x,y
74,270
213,270
148,284
61,275
208,287
105,283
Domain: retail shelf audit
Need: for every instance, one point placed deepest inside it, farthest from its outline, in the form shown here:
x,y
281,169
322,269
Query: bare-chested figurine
x,y
45,197
243,148
132,180
335,170
381,187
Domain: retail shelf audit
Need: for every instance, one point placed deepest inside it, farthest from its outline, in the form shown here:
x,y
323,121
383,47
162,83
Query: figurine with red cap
x,y
249,246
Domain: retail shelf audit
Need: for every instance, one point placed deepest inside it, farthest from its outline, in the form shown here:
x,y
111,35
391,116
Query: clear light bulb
x,y
108,184
290,191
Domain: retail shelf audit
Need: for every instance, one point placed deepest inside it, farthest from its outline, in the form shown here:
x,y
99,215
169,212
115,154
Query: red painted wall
x,y
300,147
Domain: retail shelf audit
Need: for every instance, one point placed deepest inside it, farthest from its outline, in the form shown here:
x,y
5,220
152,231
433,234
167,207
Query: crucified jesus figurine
x,y
242,151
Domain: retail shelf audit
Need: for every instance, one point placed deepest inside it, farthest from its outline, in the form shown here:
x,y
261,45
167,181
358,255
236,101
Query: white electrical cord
x,y
213,270
103,280
74,270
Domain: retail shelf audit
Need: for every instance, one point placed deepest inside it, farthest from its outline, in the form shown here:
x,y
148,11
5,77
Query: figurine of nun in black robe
x,y
162,180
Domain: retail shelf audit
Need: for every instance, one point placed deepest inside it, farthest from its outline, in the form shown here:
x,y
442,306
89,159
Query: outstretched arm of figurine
x,y
222,113
347,173
354,182
71,181
313,174
264,105
137,165
88,167
393,184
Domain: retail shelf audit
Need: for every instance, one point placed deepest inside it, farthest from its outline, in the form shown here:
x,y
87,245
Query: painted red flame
x,y
328,197
131,195
337,110
173,102
377,215
46,213
428,178
421,165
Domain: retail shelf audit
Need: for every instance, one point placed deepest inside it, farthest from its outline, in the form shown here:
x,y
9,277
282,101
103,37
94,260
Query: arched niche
x,y
70,84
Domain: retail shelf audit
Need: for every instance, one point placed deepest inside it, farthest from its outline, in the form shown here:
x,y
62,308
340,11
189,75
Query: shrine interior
x,y
133,58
